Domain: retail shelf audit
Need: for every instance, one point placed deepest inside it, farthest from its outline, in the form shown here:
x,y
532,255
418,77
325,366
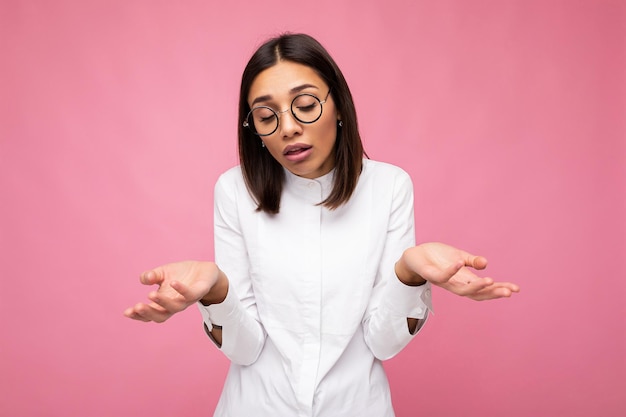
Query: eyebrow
x,y
294,90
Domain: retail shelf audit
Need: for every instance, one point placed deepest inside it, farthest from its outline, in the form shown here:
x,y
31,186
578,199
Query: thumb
x,y
154,276
476,262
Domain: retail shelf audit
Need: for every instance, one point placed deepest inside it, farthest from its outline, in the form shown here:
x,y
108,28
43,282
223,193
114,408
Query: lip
x,y
297,152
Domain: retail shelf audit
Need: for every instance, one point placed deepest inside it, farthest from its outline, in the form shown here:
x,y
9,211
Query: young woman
x,y
316,278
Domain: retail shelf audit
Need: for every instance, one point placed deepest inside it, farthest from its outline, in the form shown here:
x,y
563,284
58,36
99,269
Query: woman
x,y
319,278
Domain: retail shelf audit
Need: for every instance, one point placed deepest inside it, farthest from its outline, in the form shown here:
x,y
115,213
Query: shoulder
x,y
377,172
231,179
386,181
230,184
231,175
231,192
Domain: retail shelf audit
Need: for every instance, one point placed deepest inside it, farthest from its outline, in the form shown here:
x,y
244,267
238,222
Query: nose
x,y
289,126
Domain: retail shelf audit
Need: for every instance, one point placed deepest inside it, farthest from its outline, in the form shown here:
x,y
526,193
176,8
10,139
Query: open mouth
x,y
296,150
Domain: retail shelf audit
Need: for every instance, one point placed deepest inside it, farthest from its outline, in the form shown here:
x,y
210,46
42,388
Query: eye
x,y
305,103
307,108
263,115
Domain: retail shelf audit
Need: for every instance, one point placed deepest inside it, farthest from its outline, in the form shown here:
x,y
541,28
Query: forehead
x,y
281,78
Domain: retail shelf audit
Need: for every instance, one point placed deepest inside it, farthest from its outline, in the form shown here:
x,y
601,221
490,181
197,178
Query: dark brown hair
x,y
264,176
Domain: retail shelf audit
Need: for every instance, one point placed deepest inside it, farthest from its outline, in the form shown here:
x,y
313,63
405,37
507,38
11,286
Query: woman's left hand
x,y
449,268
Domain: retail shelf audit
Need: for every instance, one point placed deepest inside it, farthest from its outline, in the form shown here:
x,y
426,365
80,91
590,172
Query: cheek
x,y
329,133
330,123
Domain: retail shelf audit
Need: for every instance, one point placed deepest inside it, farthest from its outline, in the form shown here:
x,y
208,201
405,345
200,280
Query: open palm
x,y
180,284
449,268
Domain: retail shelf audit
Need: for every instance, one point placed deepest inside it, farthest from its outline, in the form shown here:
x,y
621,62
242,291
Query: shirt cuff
x,y
221,314
409,301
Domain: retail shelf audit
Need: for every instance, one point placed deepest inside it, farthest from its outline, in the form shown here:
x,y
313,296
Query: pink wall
x,y
116,118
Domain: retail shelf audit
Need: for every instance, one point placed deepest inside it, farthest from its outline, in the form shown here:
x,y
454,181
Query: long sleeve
x,y
243,335
392,302
313,300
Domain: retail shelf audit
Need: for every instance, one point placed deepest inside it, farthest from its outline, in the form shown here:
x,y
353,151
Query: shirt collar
x,y
325,181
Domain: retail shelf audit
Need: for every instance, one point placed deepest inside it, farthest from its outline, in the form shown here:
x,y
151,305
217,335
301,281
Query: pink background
x,y
116,117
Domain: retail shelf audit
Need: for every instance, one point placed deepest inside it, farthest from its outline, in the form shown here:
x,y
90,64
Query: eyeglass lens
x,y
306,108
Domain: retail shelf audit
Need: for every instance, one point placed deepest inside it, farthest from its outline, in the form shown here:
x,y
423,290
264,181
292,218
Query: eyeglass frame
x,y
278,113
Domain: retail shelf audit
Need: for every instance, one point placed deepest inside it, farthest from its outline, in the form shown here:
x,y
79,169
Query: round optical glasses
x,y
305,107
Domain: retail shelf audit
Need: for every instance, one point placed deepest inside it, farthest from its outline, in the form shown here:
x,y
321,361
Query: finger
x,y
152,277
131,313
495,291
479,262
170,301
506,285
476,262
152,312
137,317
184,290
491,294
513,288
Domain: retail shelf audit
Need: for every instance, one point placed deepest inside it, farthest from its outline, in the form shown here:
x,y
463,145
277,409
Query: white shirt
x,y
313,304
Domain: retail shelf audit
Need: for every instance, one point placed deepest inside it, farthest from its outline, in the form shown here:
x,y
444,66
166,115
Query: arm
x,y
239,332
415,270
237,329
396,311
182,284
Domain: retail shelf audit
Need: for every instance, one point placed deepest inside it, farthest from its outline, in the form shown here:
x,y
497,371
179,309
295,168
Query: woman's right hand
x,y
180,285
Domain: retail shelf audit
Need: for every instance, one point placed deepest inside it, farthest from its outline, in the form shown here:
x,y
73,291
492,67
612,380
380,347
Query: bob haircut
x,y
263,175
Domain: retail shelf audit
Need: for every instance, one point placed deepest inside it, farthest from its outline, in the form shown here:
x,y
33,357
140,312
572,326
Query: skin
x,y
182,284
276,87
449,268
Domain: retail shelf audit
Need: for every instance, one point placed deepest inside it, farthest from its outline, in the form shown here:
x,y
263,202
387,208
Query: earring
x,y
340,123
262,144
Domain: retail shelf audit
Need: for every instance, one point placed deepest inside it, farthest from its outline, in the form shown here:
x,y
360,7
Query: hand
x,y
181,284
448,268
